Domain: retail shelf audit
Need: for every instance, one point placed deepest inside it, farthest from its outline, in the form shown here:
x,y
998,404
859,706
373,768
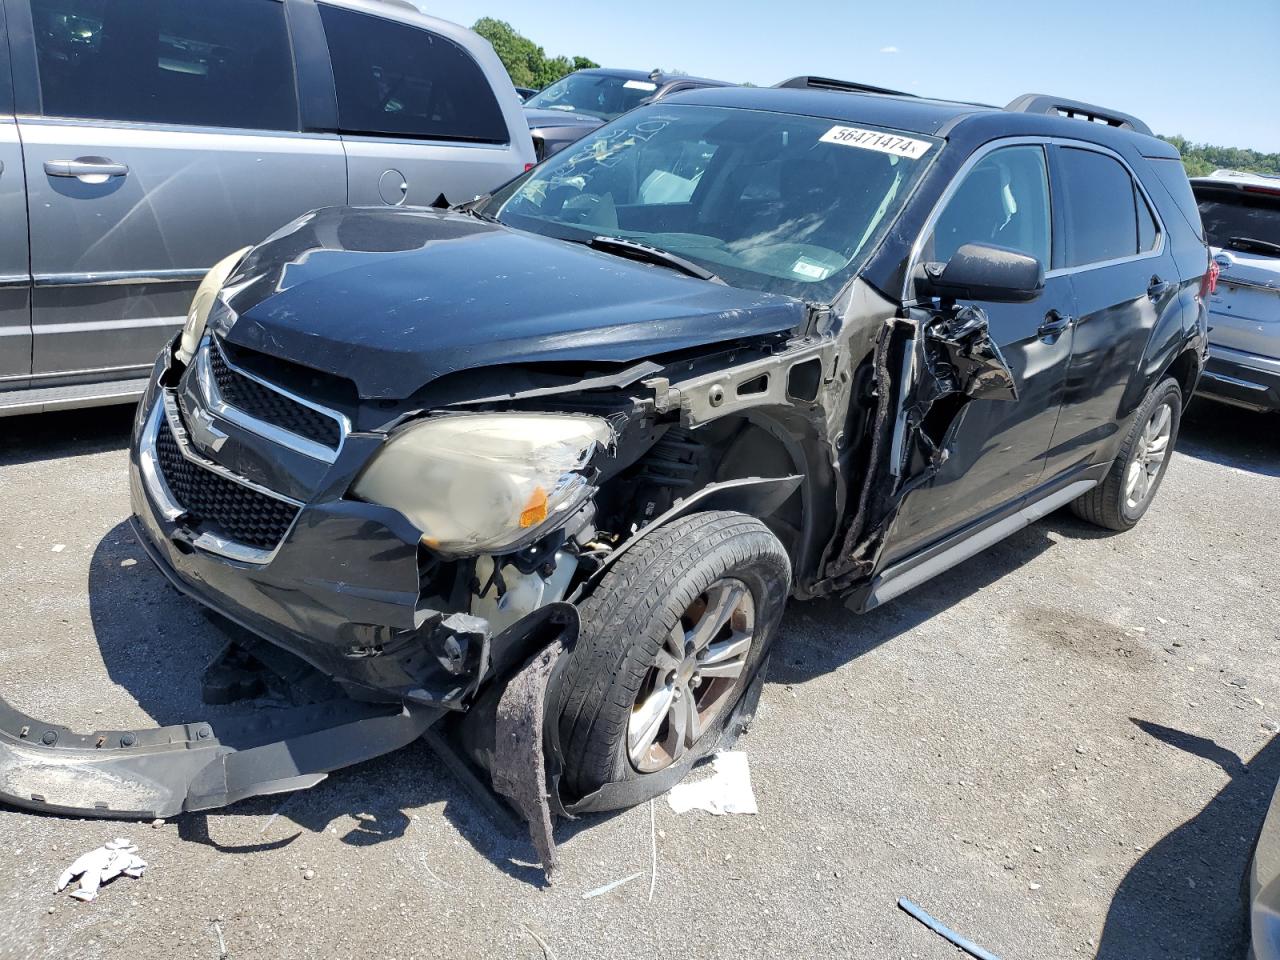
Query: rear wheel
x,y
1124,495
670,639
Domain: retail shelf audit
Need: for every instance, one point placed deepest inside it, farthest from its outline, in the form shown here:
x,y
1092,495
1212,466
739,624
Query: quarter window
x,y
190,62
1003,200
401,80
1107,217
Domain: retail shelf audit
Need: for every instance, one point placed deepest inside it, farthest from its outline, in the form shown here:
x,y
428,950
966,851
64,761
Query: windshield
x,y
1231,213
595,94
768,201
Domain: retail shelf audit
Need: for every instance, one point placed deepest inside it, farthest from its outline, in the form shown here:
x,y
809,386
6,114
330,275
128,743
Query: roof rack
x,y
847,86
1062,107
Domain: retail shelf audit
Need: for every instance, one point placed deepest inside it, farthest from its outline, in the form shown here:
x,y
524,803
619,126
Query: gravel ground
x,y
1060,749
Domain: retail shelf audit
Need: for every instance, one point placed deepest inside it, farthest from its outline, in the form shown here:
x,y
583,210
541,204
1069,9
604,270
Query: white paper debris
x,y
728,790
99,866
59,547
600,891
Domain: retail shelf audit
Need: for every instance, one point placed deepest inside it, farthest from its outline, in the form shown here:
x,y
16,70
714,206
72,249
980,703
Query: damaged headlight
x,y
203,302
485,483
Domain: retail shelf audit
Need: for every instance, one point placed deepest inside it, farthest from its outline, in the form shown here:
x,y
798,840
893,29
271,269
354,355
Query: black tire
x,y
630,616
1107,505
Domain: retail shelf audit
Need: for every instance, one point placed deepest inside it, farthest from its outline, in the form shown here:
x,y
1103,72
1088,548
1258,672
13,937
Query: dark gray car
x,y
575,105
149,139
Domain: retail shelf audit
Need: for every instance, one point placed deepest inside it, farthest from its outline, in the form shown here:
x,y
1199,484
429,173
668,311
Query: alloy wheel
x,y
1143,472
693,675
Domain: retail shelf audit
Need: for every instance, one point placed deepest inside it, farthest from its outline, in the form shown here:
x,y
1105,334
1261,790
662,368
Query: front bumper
x,y
344,589
1241,379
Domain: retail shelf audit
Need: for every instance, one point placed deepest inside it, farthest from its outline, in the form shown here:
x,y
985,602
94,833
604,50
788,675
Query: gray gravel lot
x,y
1060,749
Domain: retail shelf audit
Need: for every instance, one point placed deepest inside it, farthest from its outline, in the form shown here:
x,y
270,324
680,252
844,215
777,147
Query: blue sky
x,y
1165,61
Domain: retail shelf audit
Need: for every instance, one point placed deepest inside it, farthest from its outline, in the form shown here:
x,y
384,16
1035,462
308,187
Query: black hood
x,y
393,299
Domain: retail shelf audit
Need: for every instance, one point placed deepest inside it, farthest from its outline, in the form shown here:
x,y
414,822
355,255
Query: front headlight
x,y
485,483
203,302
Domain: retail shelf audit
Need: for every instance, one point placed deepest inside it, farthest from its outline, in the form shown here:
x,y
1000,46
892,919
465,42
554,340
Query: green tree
x,y
1204,158
526,62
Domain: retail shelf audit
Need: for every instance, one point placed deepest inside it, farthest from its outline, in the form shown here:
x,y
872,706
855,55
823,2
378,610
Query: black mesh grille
x,y
270,405
239,513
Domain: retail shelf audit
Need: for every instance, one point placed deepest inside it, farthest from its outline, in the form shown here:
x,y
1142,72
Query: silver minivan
x,y
141,141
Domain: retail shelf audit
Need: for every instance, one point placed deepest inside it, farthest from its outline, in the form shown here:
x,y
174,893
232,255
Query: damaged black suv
x,y
553,461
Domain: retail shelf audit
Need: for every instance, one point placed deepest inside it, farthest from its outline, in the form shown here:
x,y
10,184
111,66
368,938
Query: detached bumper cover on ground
x,y
160,772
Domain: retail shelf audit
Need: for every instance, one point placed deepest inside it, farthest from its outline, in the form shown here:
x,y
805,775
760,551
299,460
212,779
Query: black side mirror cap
x,y
983,271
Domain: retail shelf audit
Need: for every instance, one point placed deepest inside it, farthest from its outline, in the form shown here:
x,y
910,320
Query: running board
x,y
161,772
902,577
15,403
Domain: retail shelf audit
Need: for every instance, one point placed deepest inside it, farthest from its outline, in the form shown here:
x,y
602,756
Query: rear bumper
x,y
1242,379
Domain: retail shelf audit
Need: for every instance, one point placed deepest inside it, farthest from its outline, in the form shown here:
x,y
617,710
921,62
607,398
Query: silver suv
x,y
141,141
1241,214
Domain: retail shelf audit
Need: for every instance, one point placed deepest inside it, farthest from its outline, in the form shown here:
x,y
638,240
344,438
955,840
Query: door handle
x,y
90,169
1054,324
1158,288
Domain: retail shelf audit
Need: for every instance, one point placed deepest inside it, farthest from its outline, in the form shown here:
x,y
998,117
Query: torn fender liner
x,y
520,770
164,771
503,731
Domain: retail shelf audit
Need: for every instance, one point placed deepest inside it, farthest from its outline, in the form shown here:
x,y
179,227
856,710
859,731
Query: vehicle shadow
x,y
1187,895
1231,437
820,636
69,433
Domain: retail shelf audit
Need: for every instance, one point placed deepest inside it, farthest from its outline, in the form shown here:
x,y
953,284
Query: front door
x,y
997,448
162,135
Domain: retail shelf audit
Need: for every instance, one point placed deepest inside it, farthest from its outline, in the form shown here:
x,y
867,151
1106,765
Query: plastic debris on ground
x,y
100,866
727,790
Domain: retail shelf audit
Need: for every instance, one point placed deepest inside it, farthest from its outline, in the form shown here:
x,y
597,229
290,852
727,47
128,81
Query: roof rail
x,y
1062,107
847,86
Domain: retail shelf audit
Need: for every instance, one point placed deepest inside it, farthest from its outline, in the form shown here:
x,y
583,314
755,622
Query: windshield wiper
x,y
1257,246
634,250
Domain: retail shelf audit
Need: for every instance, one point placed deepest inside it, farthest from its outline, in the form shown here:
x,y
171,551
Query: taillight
x,y
528,167
1209,282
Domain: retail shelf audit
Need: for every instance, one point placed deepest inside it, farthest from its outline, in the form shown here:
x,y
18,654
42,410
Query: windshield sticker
x,y
890,143
810,270
640,85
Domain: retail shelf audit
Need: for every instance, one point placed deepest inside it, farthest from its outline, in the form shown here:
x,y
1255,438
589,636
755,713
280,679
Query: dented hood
x,y
393,299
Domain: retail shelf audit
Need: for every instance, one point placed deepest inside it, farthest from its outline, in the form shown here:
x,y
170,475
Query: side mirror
x,y
983,271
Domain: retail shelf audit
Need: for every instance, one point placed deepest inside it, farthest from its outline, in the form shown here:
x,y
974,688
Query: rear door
x,y
160,135
1125,284
15,276
419,116
997,448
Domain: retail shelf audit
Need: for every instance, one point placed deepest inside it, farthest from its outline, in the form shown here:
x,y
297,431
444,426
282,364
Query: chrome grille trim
x,y
166,407
268,431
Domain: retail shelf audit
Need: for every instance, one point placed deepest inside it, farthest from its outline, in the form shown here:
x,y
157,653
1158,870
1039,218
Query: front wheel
x,y
1120,500
670,639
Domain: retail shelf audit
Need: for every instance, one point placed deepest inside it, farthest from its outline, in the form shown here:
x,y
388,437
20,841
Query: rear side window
x,y
191,62
1174,177
396,79
1107,217
1003,200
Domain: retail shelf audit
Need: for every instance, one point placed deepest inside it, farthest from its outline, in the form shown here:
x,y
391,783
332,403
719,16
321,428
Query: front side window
x,y
396,79
594,94
769,201
1107,218
190,62
1003,201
